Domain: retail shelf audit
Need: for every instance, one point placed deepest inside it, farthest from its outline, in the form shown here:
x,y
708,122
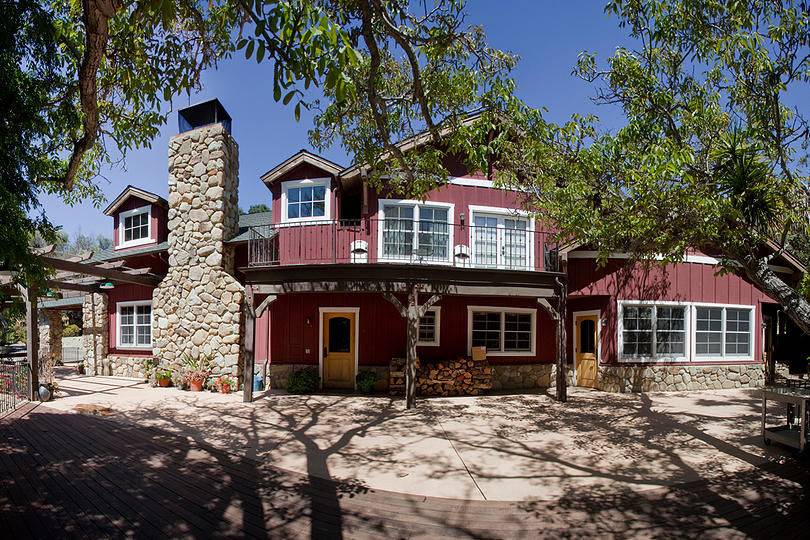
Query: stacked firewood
x,y
460,377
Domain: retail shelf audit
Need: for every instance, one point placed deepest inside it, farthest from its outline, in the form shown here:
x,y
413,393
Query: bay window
x,y
503,331
414,231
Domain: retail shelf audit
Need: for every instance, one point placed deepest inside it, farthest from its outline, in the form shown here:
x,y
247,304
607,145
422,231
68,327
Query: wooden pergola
x,y
78,273
550,289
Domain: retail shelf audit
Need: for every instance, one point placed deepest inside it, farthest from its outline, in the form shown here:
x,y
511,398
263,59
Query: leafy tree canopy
x,y
712,155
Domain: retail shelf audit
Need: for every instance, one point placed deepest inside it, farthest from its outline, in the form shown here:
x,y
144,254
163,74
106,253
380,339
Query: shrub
x,y
366,381
71,330
303,381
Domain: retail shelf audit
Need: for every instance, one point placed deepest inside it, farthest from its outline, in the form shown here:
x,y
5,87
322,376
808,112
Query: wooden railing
x,y
402,241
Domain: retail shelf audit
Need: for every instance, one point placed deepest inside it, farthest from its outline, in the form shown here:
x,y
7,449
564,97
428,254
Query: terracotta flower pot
x,y
164,383
225,389
195,386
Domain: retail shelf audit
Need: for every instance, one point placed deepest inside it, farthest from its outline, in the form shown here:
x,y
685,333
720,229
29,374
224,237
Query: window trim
x,y
306,182
437,332
503,311
691,329
135,304
416,216
131,213
502,213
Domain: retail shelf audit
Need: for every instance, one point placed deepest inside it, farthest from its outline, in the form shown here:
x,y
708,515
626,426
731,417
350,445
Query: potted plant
x,y
224,384
303,381
196,371
163,377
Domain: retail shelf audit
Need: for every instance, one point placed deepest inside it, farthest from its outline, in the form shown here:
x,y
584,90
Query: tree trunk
x,y
412,335
794,304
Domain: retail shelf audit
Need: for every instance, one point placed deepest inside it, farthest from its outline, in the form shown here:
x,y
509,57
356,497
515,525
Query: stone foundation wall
x,y
124,366
526,376
679,378
277,374
95,331
198,307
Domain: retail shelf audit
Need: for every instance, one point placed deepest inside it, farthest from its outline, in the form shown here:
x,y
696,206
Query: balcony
x,y
404,241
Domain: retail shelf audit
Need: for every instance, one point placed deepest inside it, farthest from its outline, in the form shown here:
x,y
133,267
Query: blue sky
x,y
546,34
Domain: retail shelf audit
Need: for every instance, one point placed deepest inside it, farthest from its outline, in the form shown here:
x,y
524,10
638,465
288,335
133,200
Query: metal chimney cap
x,y
203,114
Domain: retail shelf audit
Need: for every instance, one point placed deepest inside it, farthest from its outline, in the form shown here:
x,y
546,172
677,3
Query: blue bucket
x,y
258,383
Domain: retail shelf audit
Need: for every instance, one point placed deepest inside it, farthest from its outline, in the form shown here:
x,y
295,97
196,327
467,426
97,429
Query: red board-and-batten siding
x,y
291,326
125,293
157,229
591,287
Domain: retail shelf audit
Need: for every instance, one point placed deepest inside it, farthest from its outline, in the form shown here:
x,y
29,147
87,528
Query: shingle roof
x,y
250,220
112,254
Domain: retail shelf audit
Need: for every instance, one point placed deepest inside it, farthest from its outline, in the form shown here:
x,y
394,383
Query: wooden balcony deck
x,y
77,475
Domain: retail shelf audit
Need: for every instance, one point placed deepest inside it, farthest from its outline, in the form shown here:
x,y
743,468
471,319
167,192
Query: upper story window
x,y
135,227
305,200
412,230
501,238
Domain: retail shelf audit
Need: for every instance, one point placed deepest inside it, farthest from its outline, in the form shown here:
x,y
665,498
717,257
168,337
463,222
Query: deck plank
x,y
81,475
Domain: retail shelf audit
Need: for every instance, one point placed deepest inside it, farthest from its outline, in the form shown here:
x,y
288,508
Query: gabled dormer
x,y
139,218
304,188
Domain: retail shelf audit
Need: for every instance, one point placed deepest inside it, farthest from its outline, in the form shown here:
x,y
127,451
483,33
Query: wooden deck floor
x,y
78,475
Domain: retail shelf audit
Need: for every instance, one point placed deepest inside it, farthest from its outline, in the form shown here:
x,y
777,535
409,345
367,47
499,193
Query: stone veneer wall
x,y
197,307
126,366
50,342
95,332
618,378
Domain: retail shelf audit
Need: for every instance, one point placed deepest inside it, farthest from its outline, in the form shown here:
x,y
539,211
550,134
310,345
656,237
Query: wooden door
x,y
585,350
338,349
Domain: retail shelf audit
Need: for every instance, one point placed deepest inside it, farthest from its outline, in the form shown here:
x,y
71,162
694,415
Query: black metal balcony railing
x,y
14,383
403,241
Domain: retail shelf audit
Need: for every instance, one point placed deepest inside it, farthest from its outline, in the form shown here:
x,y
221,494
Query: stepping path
x,y
83,475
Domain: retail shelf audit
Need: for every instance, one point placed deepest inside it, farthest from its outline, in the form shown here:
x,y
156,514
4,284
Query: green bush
x,y
71,330
303,381
366,381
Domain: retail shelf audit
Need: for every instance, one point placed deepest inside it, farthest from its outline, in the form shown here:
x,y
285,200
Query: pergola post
x,y
250,343
411,313
559,314
32,341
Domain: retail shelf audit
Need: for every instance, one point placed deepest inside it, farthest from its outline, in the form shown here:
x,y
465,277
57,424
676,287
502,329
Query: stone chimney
x,y
198,305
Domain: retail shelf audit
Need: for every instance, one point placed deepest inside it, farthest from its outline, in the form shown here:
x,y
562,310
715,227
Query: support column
x,y
50,343
559,314
95,320
32,341
249,348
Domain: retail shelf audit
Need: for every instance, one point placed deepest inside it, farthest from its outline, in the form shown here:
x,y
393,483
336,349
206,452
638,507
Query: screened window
x,y
135,325
654,331
502,331
429,328
413,231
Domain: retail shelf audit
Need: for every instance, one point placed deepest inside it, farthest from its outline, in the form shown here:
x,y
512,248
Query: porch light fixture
x,y
49,293
107,285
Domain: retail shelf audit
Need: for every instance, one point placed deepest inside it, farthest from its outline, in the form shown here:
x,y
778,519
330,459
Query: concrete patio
x,y
506,448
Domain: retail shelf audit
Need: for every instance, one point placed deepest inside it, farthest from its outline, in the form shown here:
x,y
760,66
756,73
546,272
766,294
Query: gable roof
x,y
299,158
132,191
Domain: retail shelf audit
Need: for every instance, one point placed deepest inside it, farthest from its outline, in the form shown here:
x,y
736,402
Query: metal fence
x,y
15,380
503,244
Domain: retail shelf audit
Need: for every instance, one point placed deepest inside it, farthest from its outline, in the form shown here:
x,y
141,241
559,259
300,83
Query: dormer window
x,y
135,227
305,200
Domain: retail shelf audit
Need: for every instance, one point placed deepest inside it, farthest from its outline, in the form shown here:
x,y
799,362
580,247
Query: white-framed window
x,y
503,331
430,328
501,238
134,328
135,227
415,231
684,331
306,200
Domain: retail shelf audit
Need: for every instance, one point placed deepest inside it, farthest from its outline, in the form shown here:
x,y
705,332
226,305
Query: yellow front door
x,y
585,347
338,349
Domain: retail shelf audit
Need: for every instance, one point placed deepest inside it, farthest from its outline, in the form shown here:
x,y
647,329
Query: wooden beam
x,y
114,275
111,264
411,337
265,304
403,311
136,271
81,257
402,287
250,343
44,250
65,286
